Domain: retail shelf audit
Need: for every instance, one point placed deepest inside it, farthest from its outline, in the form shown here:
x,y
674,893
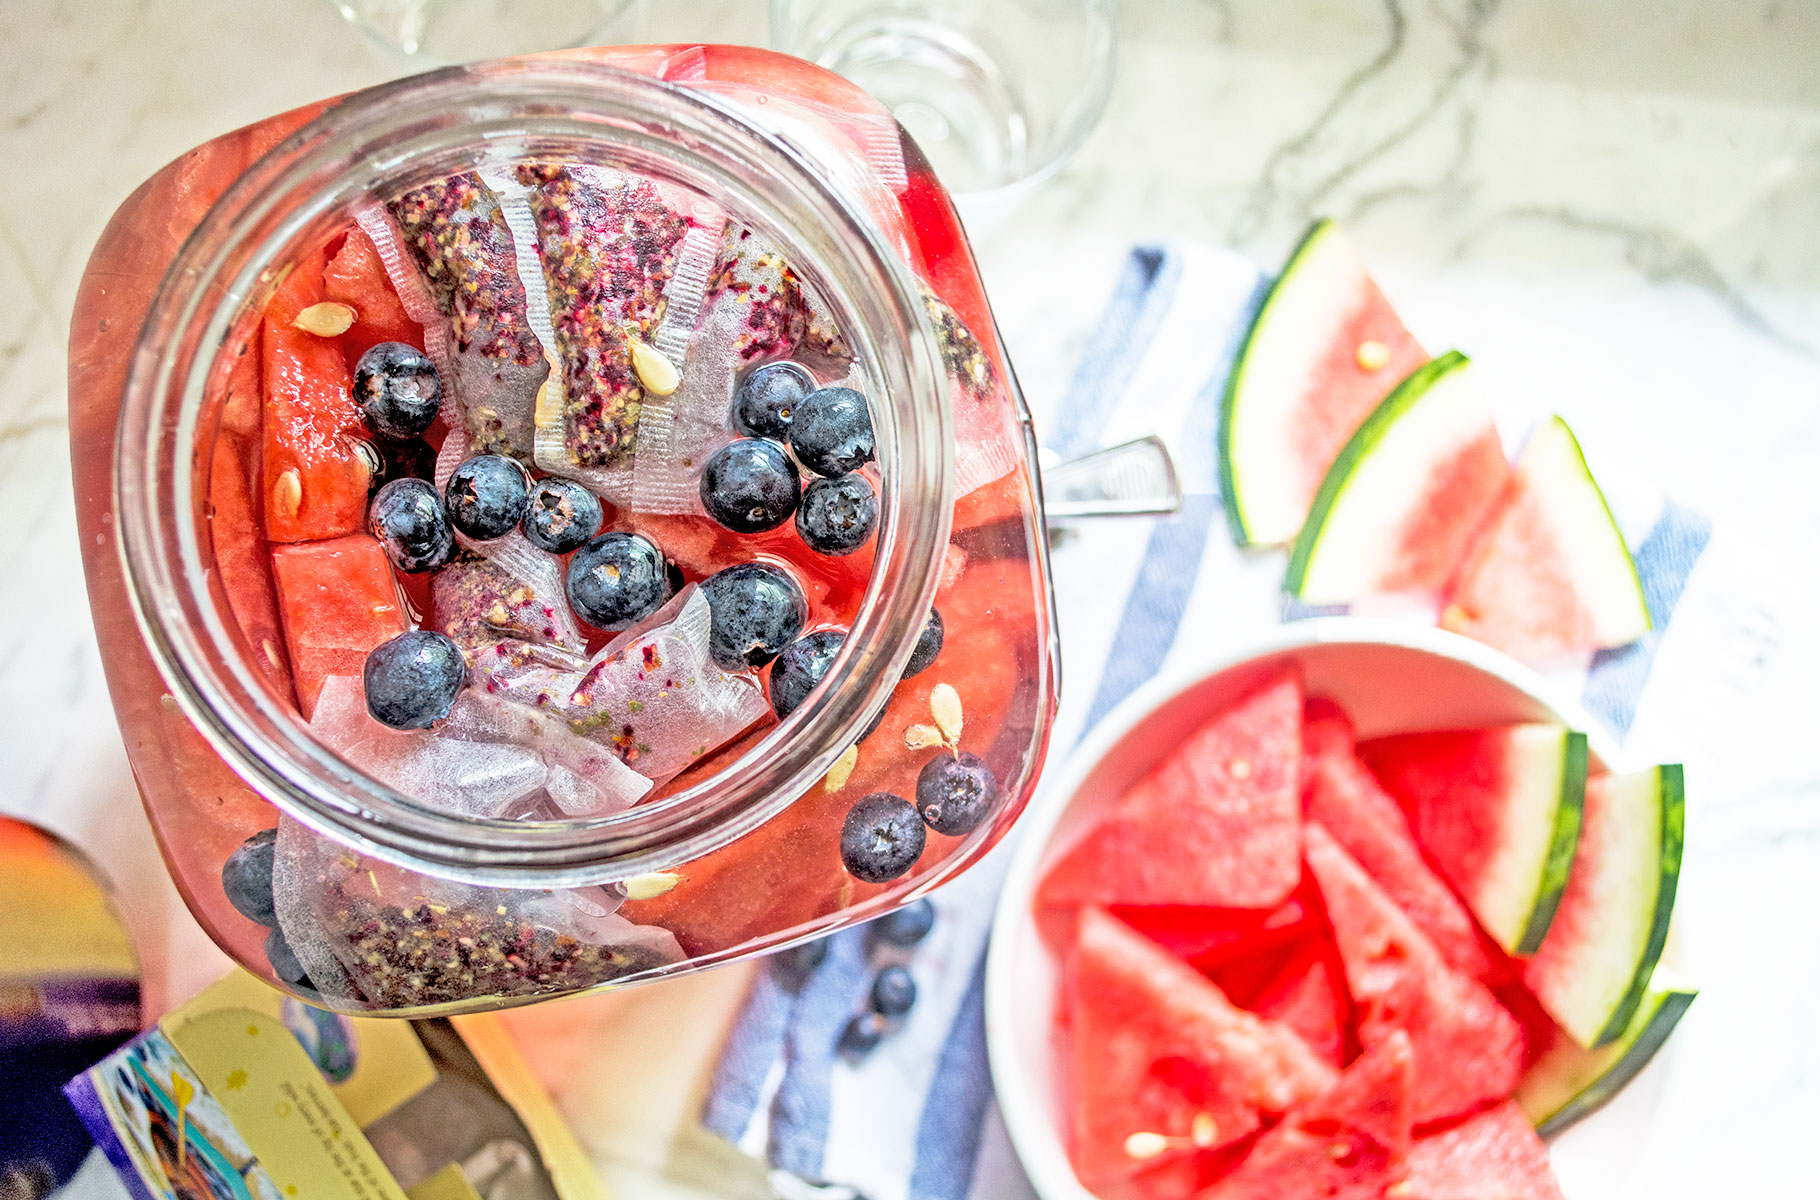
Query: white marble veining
x,y
1616,208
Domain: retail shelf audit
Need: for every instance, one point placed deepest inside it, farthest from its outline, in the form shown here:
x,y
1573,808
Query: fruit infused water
x,y
593,584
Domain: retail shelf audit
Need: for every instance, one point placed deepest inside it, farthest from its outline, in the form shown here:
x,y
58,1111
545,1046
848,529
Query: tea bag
x,y
510,589
585,778
469,778
449,240
401,940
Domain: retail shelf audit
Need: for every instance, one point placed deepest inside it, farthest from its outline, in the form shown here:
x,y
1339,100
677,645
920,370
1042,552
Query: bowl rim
x,y
1033,1134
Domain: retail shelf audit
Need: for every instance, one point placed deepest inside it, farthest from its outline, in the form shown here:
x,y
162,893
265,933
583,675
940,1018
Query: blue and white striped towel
x,y
915,1120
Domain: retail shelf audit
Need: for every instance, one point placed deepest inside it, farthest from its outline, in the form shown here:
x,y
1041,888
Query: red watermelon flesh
x,y
338,601
241,561
356,277
1158,1050
1350,1144
1213,936
1494,1155
1216,825
1343,795
1468,1050
1308,994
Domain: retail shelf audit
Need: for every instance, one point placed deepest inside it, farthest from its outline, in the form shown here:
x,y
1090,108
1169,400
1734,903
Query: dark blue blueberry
x,y
893,992
832,431
757,610
905,926
410,522
954,794
412,680
750,485
837,515
767,399
799,668
862,1035
246,877
388,459
617,580
397,389
881,838
562,515
487,496
284,960
928,645
794,965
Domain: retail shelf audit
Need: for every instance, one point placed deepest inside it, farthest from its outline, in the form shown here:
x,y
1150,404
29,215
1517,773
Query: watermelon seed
x,y
1204,1130
1239,768
650,886
1373,356
658,374
922,737
287,493
327,319
945,707
1144,1144
1341,1152
842,770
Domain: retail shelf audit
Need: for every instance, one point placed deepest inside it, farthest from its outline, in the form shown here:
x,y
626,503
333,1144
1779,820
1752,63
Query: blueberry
x,y
881,838
617,580
837,515
285,963
562,515
955,794
757,611
905,926
397,389
862,1035
487,496
832,431
412,680
928,645
409,520
767,399
388,459
800,667
750,485
246,877
794,965
893,992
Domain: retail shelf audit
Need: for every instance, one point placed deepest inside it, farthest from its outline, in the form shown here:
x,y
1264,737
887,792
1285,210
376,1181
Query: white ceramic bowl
x,y
1390,678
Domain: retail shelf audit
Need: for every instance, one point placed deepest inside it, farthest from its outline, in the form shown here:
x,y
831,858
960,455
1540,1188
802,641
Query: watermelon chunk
x,y
1308,994
1216,825
1497,811
1549,574
1349,1144
1341,793
1492,1156
242,564
339,601
1568,1081
1468,1050
1323,350
1164,1067
356,277
1210,937
315,479
1597,960
1404,498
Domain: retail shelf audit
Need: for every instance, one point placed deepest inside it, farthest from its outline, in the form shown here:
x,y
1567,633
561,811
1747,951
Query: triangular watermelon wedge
x,y
1164,1066
1549,574
1402,501
1343,795
1324,348
1216,825
1349,1144
1210,937
1497,811
1468,1050
1494,1155
1309,995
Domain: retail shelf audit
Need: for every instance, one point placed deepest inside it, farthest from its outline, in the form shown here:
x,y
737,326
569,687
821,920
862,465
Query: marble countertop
x,y
1616,207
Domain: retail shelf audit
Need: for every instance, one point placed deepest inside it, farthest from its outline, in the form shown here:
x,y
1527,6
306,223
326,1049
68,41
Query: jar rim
x,y
161,456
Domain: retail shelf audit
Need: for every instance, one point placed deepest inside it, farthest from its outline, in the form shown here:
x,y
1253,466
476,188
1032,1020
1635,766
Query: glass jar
x,y
393,902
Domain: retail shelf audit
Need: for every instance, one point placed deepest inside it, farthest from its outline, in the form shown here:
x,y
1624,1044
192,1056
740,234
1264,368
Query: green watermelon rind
x,y
1551,885
1358,449
1230,490
1611,518
1556,1094
1672,790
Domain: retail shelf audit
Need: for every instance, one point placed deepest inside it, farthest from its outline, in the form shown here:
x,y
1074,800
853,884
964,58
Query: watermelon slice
x,y
1568,1081
1497,811
1309,995
356,277
1349,1144
1468,1050
1323,350
1492,1156
1164,1066
1597,960
1400,504
1213,936
1216,825
1549,574
338,601
1340,793
315,479
242,564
